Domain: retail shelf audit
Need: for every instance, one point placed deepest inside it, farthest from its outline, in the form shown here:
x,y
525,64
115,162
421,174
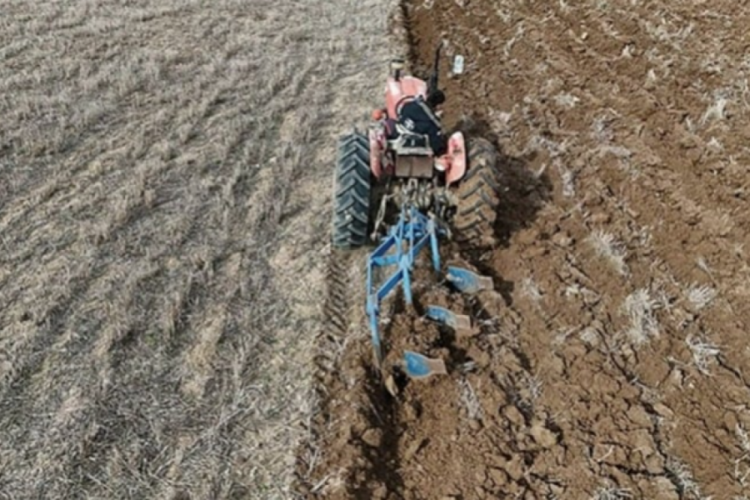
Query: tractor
x,y
407,179
458,184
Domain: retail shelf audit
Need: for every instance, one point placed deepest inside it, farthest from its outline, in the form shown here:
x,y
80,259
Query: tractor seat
x,y
407,142
410,139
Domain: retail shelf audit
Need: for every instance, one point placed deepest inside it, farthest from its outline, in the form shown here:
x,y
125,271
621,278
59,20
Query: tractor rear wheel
x,y
351,210
478,197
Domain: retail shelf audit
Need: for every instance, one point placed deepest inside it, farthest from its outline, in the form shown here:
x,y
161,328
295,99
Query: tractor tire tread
x,y
351,195
478,196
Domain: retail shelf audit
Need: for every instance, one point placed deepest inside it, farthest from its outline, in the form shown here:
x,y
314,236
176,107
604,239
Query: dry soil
x,y
609,362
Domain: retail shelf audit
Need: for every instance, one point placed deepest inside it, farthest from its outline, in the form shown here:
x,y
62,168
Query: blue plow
x,y
399,249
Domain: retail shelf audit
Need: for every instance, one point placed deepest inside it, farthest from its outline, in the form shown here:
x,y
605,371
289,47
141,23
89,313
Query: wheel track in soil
x,y
340,318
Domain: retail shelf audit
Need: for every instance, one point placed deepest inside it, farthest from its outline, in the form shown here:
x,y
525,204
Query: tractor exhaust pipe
x,y
432,85
397,66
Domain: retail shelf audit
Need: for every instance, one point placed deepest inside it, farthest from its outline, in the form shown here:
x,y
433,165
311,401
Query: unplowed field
x,y
163,237
611,359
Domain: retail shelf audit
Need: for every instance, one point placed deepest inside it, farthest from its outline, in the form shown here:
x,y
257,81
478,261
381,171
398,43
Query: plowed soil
x,y
609,362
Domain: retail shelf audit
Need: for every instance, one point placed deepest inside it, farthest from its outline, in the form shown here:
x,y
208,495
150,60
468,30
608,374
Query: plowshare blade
x,y
467,281
418,366
447,317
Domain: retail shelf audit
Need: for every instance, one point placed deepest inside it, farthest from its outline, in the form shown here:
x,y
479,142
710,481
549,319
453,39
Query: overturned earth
x,y
608,361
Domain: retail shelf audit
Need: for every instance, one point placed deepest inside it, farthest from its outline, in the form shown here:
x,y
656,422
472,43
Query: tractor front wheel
x,y
351,210
478,197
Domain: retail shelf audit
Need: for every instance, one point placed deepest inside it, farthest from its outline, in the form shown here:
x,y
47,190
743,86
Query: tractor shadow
x,y
523,193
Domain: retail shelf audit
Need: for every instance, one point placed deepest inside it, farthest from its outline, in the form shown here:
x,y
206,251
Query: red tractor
x,y
407,160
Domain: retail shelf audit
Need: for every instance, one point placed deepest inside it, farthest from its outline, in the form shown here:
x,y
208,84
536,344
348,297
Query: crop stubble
x,y
164,170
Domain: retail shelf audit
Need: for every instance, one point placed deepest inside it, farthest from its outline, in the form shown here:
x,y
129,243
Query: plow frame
x,y
408,237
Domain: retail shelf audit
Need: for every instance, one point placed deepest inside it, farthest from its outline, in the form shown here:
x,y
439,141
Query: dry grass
x,y
612,493
704,353
639,307
700,296
609,248
683,479
469,400
163,183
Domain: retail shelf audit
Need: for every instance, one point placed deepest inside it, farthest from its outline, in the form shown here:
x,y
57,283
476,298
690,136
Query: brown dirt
x,y
609,361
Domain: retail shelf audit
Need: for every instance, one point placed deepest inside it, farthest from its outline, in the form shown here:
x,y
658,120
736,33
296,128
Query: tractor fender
x,y
456,158
377,147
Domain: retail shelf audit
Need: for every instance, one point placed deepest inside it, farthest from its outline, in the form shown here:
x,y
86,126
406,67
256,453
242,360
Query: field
x,y
164,213
173,323
610,361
